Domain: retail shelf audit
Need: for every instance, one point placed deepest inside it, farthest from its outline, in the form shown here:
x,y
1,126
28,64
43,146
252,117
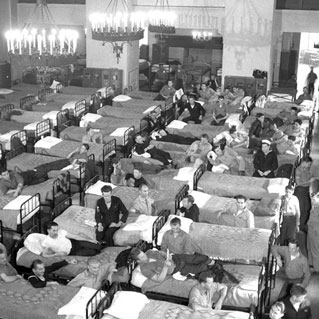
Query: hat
x,y
266,142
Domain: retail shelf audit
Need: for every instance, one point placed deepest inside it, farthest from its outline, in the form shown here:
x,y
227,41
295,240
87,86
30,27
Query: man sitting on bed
x,y
189,209
195,111
7,272
155,266
176,241
56,244
242,217
198,151
92,136
136,179
107,216
207,294
265,161
94,275
143,204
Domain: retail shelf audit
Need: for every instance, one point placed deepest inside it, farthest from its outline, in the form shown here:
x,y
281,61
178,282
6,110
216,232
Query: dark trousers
x,y
285,290
193,119
106,235
311,88
270,175
220,123
84,248
190,264
288,229
160,155
302,193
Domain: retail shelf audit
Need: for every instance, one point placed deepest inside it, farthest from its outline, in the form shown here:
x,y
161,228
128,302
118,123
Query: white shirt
x,y
59,244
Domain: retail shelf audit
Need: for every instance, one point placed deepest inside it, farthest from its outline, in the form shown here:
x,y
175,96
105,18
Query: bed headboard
x,y
61,188
95,102
158,225
79,110
43,128
100,301
30,214
180,195
197,175
109,149
62,121
60,208
169,114
44,92
26,101
18,143
5,109
90,182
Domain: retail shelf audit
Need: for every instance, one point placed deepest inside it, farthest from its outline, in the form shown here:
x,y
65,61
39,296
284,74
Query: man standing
x,y
94,275
196,111
190,209
291,216
143,204
176,241
243,217
207,294
296,305
56,244
265,161
107,216
296,266
311,80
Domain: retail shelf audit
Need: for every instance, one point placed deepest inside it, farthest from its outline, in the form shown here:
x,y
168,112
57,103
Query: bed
x,y
37,130
13,140
194,130
21,213
5,109
232,185
20,300
139,306
266,211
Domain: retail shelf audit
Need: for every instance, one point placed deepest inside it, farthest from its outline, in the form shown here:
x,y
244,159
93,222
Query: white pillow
x,y
150,109
31,126
211,155
127,305
233,119
185,226
34,243
177,124
96,188
89,117
200,198
119,132
122,98
69,106
143,224
138,278
47,142
52,116
7,136
77,306
277,185
220,169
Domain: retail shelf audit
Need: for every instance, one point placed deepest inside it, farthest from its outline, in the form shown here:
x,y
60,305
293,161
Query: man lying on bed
x,y
57,244
12,182
163,136
157,266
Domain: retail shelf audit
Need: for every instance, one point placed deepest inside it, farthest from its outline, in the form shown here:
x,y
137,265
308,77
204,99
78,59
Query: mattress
x,y
75,133
168,146
28,116
241,295
20,300
28,161
107,255
121,113
5,140
196,130
231,185
210,205
10,211
62,149
157,309
114,123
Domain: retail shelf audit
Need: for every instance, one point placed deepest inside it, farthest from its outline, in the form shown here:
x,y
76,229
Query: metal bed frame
x,y
62,122
95,102
31,206
28,100
44,92
5,109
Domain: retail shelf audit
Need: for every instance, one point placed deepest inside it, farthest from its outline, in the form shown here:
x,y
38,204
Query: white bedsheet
x,y
89,117
31,126
177,125
186,174
69,106
47,142
150,109
96,188
51,116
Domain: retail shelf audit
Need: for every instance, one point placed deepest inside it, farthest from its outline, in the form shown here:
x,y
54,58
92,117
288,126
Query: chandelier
x,y
41,38
161,19
117,24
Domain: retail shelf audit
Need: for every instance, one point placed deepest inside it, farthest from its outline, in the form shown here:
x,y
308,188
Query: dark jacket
x,y
196,111
107,216
255,129
264,162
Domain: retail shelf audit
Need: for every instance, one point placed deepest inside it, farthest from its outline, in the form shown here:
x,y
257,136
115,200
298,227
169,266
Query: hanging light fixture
x,y
42,38
161,18
117,24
